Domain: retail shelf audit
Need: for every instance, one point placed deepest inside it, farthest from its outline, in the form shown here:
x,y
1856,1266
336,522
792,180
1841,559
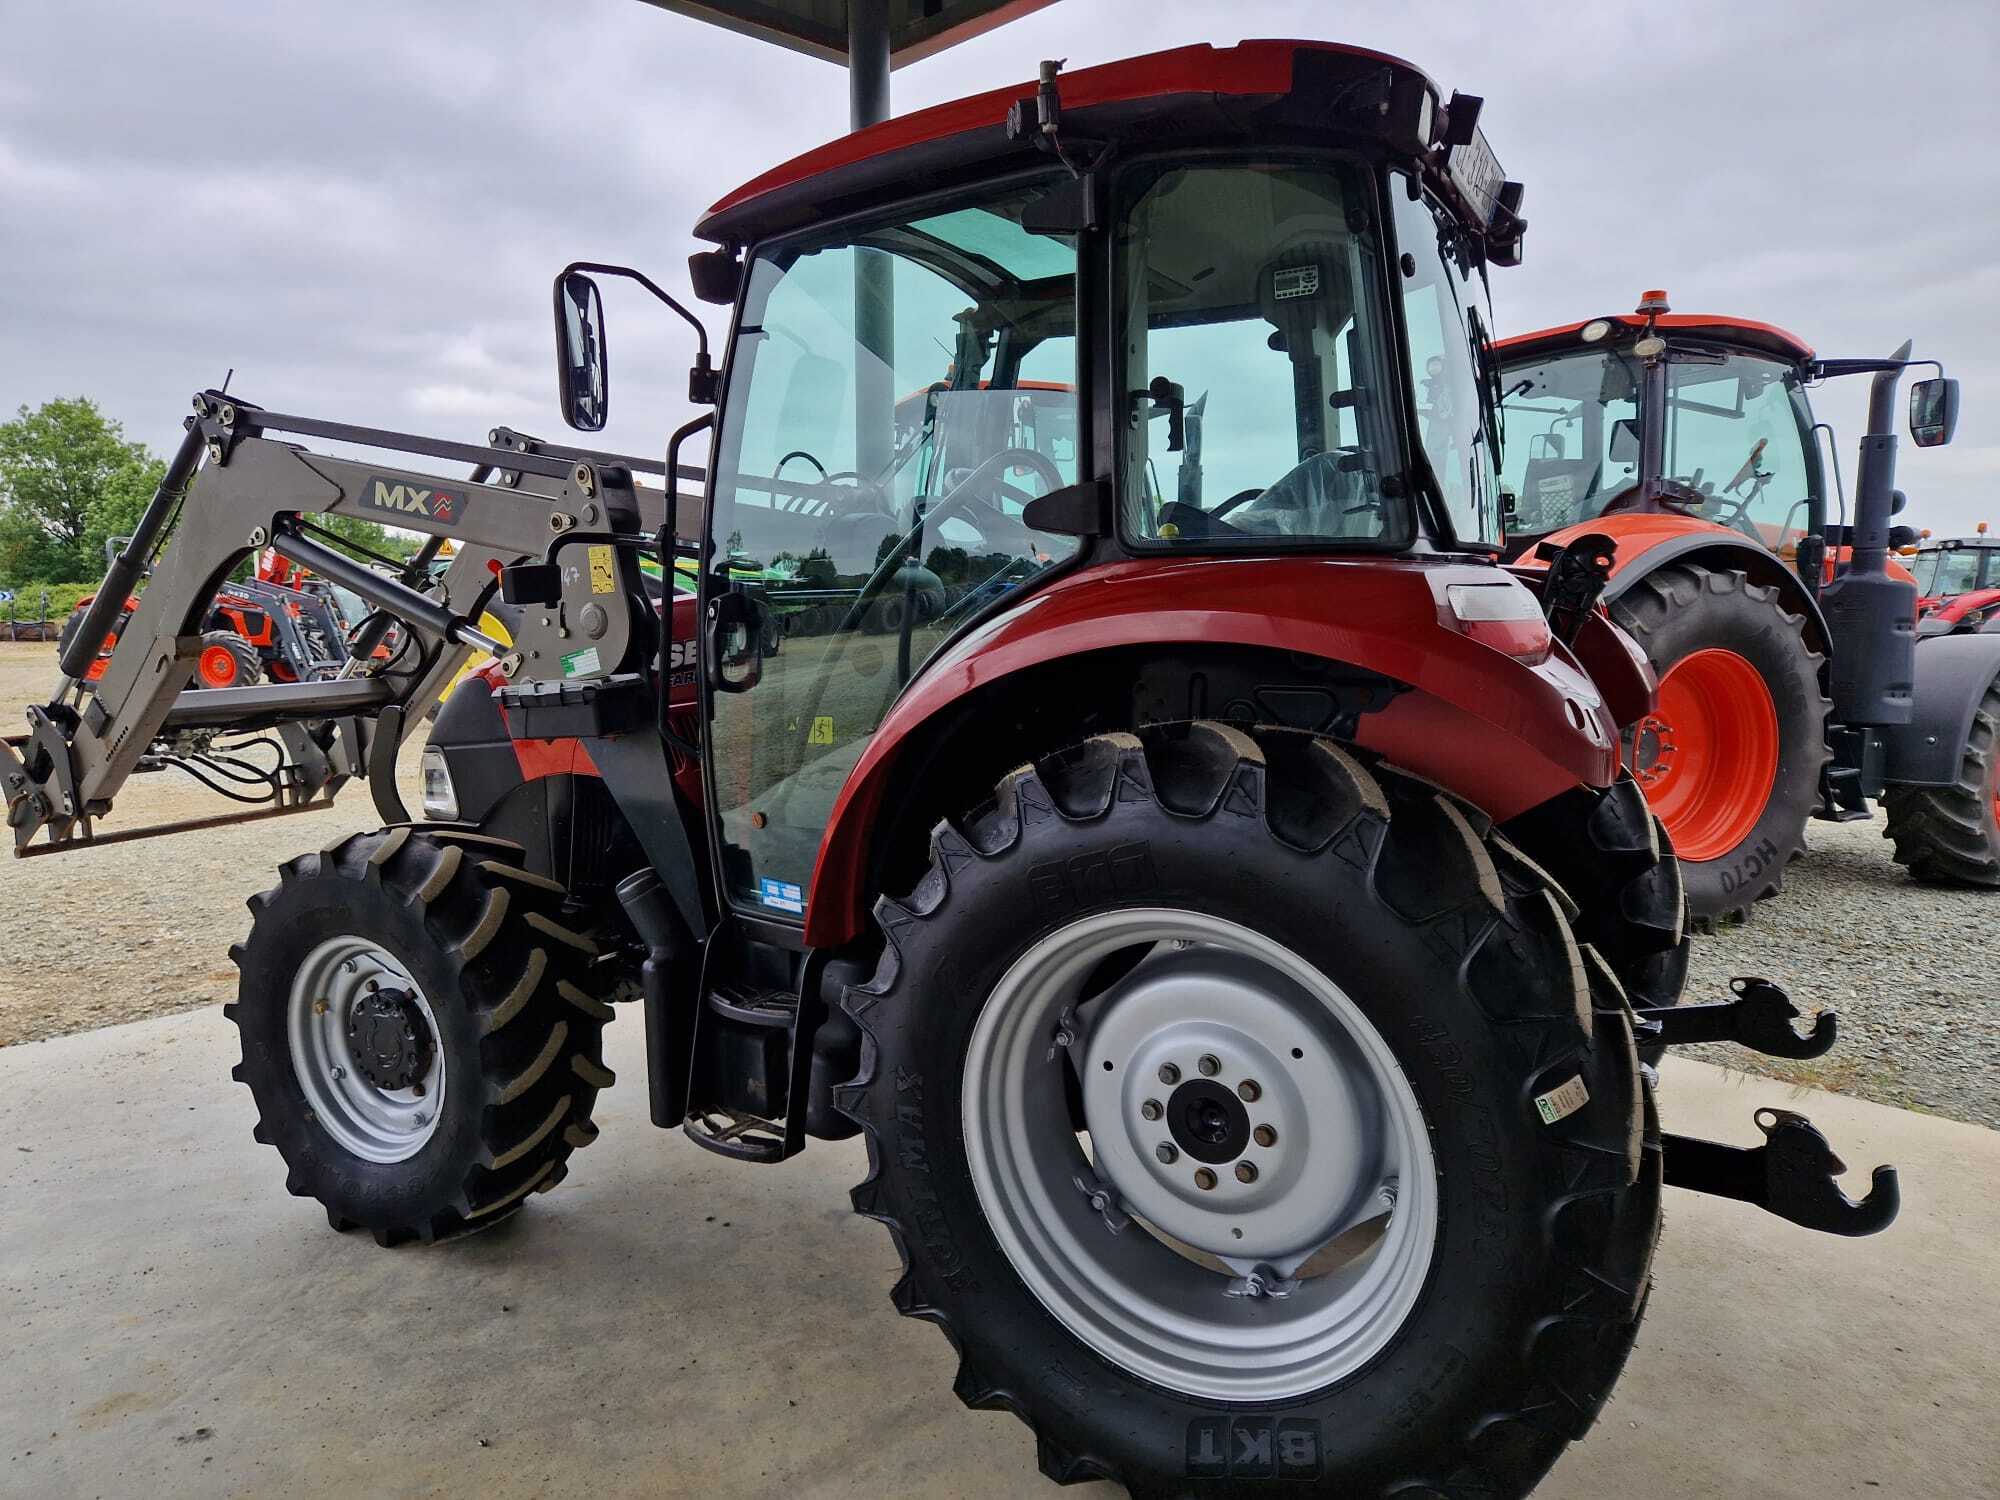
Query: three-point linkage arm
x,y
232,489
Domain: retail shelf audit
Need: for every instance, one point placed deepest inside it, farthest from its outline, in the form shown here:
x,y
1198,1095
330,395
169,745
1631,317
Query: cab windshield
x,y
1738,432
898,395
1944,571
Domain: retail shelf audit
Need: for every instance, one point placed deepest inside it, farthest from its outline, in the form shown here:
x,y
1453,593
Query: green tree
x,y
68,480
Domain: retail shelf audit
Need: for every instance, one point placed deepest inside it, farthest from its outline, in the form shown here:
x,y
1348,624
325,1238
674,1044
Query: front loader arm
x,y
233,489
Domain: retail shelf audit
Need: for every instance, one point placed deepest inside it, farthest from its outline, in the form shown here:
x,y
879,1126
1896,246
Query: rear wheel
x,y
226,660
1337,1170
1950,835
1730,758
418,1032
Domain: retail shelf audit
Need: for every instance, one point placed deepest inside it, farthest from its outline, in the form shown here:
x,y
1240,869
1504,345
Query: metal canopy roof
x,y
917,28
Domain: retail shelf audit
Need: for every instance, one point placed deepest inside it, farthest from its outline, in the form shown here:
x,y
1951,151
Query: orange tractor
x,y
281,623
1791,680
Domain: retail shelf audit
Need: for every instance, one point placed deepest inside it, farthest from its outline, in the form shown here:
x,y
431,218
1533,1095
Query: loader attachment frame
x,y
232,488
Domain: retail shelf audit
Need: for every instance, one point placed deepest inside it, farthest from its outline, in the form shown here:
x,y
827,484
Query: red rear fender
x,y
1505,731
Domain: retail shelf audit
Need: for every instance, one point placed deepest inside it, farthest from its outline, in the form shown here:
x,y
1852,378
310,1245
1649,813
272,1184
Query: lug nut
x,y
1210,1065
1264,1135
1167,1153
319,1007
338,1072
1169,1074
1204,1179
1151,1109
1246,1171
1249,1091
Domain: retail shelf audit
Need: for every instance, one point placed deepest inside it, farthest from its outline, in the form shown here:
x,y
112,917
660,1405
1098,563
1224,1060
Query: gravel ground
x,y
93,937
99,936
1913,971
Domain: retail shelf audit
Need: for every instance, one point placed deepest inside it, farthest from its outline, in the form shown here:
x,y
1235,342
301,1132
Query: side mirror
x,y
1933,412
1625,440
583,372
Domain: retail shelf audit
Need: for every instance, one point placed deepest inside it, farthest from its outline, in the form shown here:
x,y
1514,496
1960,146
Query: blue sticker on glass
x,y
782,894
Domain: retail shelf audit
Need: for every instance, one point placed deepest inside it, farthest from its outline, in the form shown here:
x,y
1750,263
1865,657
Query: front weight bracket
x,y
1791,1175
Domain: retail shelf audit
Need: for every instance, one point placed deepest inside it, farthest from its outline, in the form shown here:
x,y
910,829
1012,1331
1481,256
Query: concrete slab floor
x,y
666,1323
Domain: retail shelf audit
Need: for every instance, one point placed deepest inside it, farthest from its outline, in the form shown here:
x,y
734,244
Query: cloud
x,y
358,205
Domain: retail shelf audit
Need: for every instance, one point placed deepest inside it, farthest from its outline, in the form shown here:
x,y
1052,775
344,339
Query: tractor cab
x,y
998,342
1736,443
1958,583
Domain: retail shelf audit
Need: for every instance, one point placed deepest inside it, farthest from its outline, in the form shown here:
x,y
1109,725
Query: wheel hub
x,y
389,1039
1652,750
1233,1278
1208,1122
365,1049
1251,1138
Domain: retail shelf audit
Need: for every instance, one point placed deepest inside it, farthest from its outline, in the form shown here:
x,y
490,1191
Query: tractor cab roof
x,y
1261,92
1761,338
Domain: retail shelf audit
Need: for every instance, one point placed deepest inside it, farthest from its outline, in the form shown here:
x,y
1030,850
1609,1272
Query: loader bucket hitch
x,y
1791,1175
1760,1018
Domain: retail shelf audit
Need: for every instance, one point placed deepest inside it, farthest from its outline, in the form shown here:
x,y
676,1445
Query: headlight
x,y
440,798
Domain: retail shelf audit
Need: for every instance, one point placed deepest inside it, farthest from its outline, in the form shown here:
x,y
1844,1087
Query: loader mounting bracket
x,y
1760,1018
1791,1175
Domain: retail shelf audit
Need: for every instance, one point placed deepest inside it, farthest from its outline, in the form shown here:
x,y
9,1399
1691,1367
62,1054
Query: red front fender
x,y
1506,733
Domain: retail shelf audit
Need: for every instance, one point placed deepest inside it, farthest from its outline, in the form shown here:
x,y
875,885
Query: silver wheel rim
x,y
375,1123
1282,1283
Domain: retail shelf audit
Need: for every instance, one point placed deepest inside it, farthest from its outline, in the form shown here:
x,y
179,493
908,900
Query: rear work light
x,y
1505,616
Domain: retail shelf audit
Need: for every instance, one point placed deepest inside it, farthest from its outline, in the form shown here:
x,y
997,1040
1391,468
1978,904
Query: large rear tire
x,y
1731,758
418,1031
1132,938
1950,835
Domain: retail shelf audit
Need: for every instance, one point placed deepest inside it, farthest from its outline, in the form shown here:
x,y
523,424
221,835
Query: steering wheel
x,y
966,494
1240,497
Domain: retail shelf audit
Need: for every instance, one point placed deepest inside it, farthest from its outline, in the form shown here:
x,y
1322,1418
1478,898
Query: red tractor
x,y
1958,584
1222,913
1791,680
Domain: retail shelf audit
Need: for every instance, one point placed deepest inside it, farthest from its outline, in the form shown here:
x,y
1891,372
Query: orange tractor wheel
x,y
1730,757
226,660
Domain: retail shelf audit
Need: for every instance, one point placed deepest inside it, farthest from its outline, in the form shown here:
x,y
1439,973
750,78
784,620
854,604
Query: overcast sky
x,y
358,204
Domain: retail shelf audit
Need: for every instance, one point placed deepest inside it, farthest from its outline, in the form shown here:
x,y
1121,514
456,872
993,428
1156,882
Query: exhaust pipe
x,y
1871,616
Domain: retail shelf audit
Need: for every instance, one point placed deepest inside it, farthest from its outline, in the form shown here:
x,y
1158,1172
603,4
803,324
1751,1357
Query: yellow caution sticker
x,y
822,731
603,571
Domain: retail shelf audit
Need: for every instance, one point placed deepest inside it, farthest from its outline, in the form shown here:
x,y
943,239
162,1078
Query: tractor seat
x,y
1554,492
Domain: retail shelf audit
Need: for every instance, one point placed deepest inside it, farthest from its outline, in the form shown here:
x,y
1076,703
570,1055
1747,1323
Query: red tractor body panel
x,y
1951,609
1505,731
1253,69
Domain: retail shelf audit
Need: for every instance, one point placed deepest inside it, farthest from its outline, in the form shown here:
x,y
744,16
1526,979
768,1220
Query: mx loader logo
x,y
413,501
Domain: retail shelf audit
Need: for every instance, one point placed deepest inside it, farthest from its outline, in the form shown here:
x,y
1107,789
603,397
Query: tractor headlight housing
x,y
440,797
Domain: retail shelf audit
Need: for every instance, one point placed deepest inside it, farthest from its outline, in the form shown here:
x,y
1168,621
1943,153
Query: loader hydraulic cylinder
x,y
127,566
377,588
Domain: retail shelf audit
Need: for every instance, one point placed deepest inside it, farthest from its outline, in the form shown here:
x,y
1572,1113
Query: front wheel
x,y
1246,1121
418,1031
226,660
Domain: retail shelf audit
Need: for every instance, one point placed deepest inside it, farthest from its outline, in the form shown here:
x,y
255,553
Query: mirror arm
x,y
702,379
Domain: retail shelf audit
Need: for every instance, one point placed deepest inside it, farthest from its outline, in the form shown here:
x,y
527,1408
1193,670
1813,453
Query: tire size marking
x,y
1750,867
926,1212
